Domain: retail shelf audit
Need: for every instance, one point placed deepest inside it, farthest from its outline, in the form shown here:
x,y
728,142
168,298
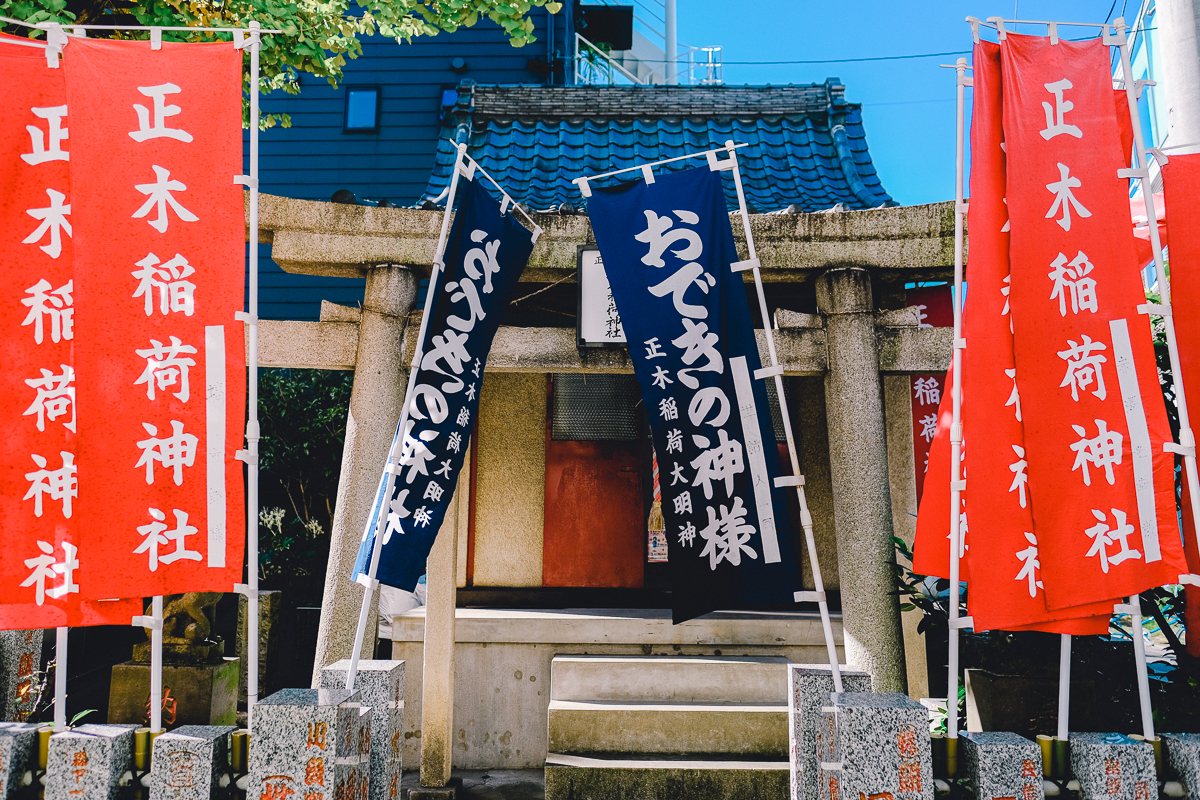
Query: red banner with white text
x,y
1092,409
934,310
159,276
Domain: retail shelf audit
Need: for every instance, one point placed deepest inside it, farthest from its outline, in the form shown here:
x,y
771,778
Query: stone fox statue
x,y
187,627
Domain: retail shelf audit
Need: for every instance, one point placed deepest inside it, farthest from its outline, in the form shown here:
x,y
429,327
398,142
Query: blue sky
x,y
908,105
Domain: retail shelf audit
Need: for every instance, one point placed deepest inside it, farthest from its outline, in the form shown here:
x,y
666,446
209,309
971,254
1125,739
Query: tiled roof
x,y
807,145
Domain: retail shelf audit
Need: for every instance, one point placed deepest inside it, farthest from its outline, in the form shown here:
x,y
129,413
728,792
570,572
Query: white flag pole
x,y
775,370
60,680
1064,687
156,655
369,581
956,483
1134,609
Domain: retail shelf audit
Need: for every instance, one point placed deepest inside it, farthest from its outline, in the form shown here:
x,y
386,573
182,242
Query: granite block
x,y
88,762
1182,761
18,753
880,746
20,659
311,743
1111,766
188,762
809,687
197,694
1002,765
380,684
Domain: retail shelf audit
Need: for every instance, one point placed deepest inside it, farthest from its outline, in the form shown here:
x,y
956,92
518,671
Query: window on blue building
x,y
362,109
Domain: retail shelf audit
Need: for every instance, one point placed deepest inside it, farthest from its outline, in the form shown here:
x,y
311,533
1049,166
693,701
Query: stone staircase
x,y
661,728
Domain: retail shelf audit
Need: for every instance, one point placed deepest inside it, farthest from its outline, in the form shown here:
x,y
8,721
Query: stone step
x,y
738,680
595,727
650,777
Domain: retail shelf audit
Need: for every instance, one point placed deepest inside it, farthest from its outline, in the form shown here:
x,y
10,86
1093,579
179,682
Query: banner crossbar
x,y
506,203
586,190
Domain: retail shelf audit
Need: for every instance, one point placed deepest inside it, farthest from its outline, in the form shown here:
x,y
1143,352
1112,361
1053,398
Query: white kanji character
x,y
465,290
660,378
679,282
414,453
53,223
722,462
475,370
45,567
926,391
422,516
47,146
921,316
55,395
159,197
653,349
396,512
451,349
674,440
454,442
1055,125
683,502
480,262
433,491
444,469
57,304
175,294
174,452
1072,282
1020,478
697,343
1104,451
1004,291
470,391
157,129
1014,399
167,366
687,534
157,535
1084,365
928,427
60,484
677,475
1064,198
667,409
1030,565
1102,536
726,535
660,235
464,417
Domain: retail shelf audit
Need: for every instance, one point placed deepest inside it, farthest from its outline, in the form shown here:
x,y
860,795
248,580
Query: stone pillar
x,y
1179,42
437,679
862,509
380,377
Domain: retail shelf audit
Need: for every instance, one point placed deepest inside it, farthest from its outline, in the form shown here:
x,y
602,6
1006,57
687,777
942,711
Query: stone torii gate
x,y
858,261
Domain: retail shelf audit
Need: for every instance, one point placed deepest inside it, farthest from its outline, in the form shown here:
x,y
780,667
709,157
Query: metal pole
x,y
60,680
1139,652
777,370
156,643
398,443
1064,687
252,430
671,45
956,484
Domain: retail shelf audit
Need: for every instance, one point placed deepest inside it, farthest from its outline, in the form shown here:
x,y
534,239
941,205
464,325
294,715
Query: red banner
x,y
934,310
931,543
158,232
42,571
1093,413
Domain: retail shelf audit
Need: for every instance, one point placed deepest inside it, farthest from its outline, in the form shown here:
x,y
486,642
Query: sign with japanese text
x,y
668,250
599,323
1091,406
158,230
485,256
933,307
42,573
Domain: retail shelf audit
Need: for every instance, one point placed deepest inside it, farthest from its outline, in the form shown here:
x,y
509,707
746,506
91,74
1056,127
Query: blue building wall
x,y
314,157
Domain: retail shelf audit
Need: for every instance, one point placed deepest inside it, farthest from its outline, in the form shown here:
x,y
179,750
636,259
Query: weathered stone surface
x,y
189,761
809,688
1111,766
1183,761
306,345
86,763
381,685
201,695
310,743
18,753
20,658
871,744
644,778
1002,765
270,642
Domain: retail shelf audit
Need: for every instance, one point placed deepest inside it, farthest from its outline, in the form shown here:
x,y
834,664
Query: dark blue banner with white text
x,y
667,249
485,256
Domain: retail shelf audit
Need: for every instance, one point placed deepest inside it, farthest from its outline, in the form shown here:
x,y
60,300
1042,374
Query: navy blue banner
x,y
667,249
485,255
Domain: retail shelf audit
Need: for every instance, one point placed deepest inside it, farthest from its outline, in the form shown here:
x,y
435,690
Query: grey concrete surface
x,y
496,784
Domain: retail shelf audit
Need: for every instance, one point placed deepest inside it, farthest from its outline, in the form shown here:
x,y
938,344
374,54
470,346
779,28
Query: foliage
x,y
317,35
303,418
